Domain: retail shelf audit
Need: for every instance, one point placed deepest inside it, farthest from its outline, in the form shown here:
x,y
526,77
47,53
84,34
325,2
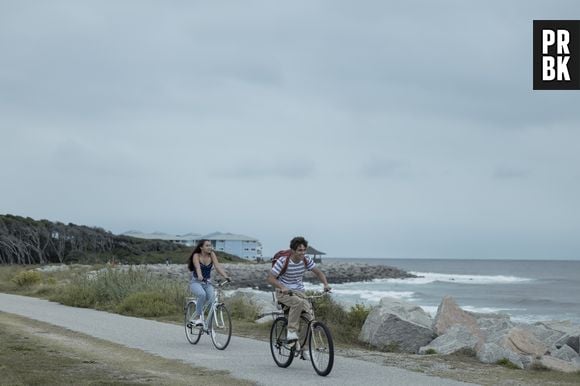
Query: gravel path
x,y
244,358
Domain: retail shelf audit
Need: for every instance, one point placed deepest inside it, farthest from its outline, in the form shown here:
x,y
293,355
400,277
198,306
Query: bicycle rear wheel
x,y
221,327
192,332
321,349
282,353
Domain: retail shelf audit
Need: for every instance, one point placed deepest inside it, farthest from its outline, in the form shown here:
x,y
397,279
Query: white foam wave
x,y
431,277
373,295
432,310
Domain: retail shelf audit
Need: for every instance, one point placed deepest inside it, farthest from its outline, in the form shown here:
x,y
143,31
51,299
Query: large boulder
x,y
450,314
558,364
565,353
546,335
574,343
396,325
456,338
562,333
523,342
493,352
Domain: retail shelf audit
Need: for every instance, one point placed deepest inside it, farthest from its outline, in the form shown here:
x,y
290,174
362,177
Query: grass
x,y
35,353
507,364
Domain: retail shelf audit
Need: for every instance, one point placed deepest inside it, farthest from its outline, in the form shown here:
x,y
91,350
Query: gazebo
x,y
315,252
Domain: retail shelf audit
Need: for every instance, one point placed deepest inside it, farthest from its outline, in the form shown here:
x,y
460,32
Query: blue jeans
x,y
204,293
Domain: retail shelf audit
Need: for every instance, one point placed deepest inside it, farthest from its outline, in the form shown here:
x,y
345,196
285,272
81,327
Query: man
x,y
291,280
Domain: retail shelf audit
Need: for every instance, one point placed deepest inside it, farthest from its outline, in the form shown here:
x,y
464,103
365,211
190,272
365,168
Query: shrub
x,y
27,278
146,304
242,308
357,315
507,363
391,347
345,325
430,351
108,289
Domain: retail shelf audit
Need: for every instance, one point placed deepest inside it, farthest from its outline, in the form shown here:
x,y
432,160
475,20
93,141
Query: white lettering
x,y
563,73
548,71
548,39
563,40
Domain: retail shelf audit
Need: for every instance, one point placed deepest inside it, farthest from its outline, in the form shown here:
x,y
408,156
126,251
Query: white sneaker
x,y
291,335
197,321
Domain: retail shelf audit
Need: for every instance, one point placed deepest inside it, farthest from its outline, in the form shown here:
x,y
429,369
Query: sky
x,y
374,129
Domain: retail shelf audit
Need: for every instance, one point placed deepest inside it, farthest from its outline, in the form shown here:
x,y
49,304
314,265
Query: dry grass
x,y
35,353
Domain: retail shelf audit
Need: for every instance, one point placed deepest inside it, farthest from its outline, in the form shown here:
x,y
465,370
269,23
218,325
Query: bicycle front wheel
x,y
321,349
221,327
192,332
282,353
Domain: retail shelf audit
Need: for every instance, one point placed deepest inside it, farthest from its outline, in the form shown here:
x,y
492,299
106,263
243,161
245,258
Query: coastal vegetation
x,y
24,240
138,292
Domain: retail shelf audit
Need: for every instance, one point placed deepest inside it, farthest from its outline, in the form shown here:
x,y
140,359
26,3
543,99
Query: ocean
x,y
528,291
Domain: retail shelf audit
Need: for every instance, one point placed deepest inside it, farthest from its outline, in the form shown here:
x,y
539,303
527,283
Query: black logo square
x,y
556,55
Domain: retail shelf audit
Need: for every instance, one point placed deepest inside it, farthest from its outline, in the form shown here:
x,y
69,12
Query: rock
x,y
396,325
558,364
566,332
565,353
450,314
546,335
456,338
523,342
574,343
492,353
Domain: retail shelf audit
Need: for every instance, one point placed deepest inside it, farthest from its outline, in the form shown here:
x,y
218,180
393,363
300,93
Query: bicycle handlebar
x,y
319,295
219,283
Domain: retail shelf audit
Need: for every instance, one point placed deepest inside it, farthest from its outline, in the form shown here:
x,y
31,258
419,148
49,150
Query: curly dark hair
x,y
298,241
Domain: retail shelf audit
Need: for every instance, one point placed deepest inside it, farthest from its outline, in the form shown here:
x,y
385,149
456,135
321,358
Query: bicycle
x,y
320,344
220,322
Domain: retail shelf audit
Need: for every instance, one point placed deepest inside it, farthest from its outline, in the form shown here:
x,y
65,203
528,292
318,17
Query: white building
x,y
239,245
243,246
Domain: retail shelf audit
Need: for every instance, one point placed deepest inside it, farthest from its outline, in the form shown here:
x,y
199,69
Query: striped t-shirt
x,y
292,278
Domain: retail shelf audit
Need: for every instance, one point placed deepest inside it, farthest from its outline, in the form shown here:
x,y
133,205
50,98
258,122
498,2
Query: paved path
x,y
244,358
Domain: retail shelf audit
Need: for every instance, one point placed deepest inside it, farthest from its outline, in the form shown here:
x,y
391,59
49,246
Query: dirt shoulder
x,y
42,354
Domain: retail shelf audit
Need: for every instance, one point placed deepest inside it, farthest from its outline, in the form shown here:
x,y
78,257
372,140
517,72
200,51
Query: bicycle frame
x,y
317,339
210,309
218,318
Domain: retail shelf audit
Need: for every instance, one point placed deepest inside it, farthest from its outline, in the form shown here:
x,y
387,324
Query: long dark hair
x,y
196,250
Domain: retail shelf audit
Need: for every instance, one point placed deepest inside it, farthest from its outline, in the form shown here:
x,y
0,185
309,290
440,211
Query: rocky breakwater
x,y
254,275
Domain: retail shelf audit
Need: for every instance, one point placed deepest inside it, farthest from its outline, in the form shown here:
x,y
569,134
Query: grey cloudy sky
x,y
375,129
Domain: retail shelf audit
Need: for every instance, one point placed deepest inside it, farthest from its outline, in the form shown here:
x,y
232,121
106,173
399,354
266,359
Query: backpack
x,y
285,253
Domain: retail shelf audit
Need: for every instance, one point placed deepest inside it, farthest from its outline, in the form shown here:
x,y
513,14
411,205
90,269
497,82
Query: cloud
x,y
510,173
378,123
300,169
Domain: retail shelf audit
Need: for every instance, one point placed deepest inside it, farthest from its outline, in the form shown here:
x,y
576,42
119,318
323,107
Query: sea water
x,y
528,291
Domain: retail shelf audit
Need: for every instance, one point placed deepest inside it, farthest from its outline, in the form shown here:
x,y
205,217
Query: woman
x,y
200,263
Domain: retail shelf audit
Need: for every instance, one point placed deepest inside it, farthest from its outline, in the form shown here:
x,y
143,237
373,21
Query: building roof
x,y
228,236
313,251
162,236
